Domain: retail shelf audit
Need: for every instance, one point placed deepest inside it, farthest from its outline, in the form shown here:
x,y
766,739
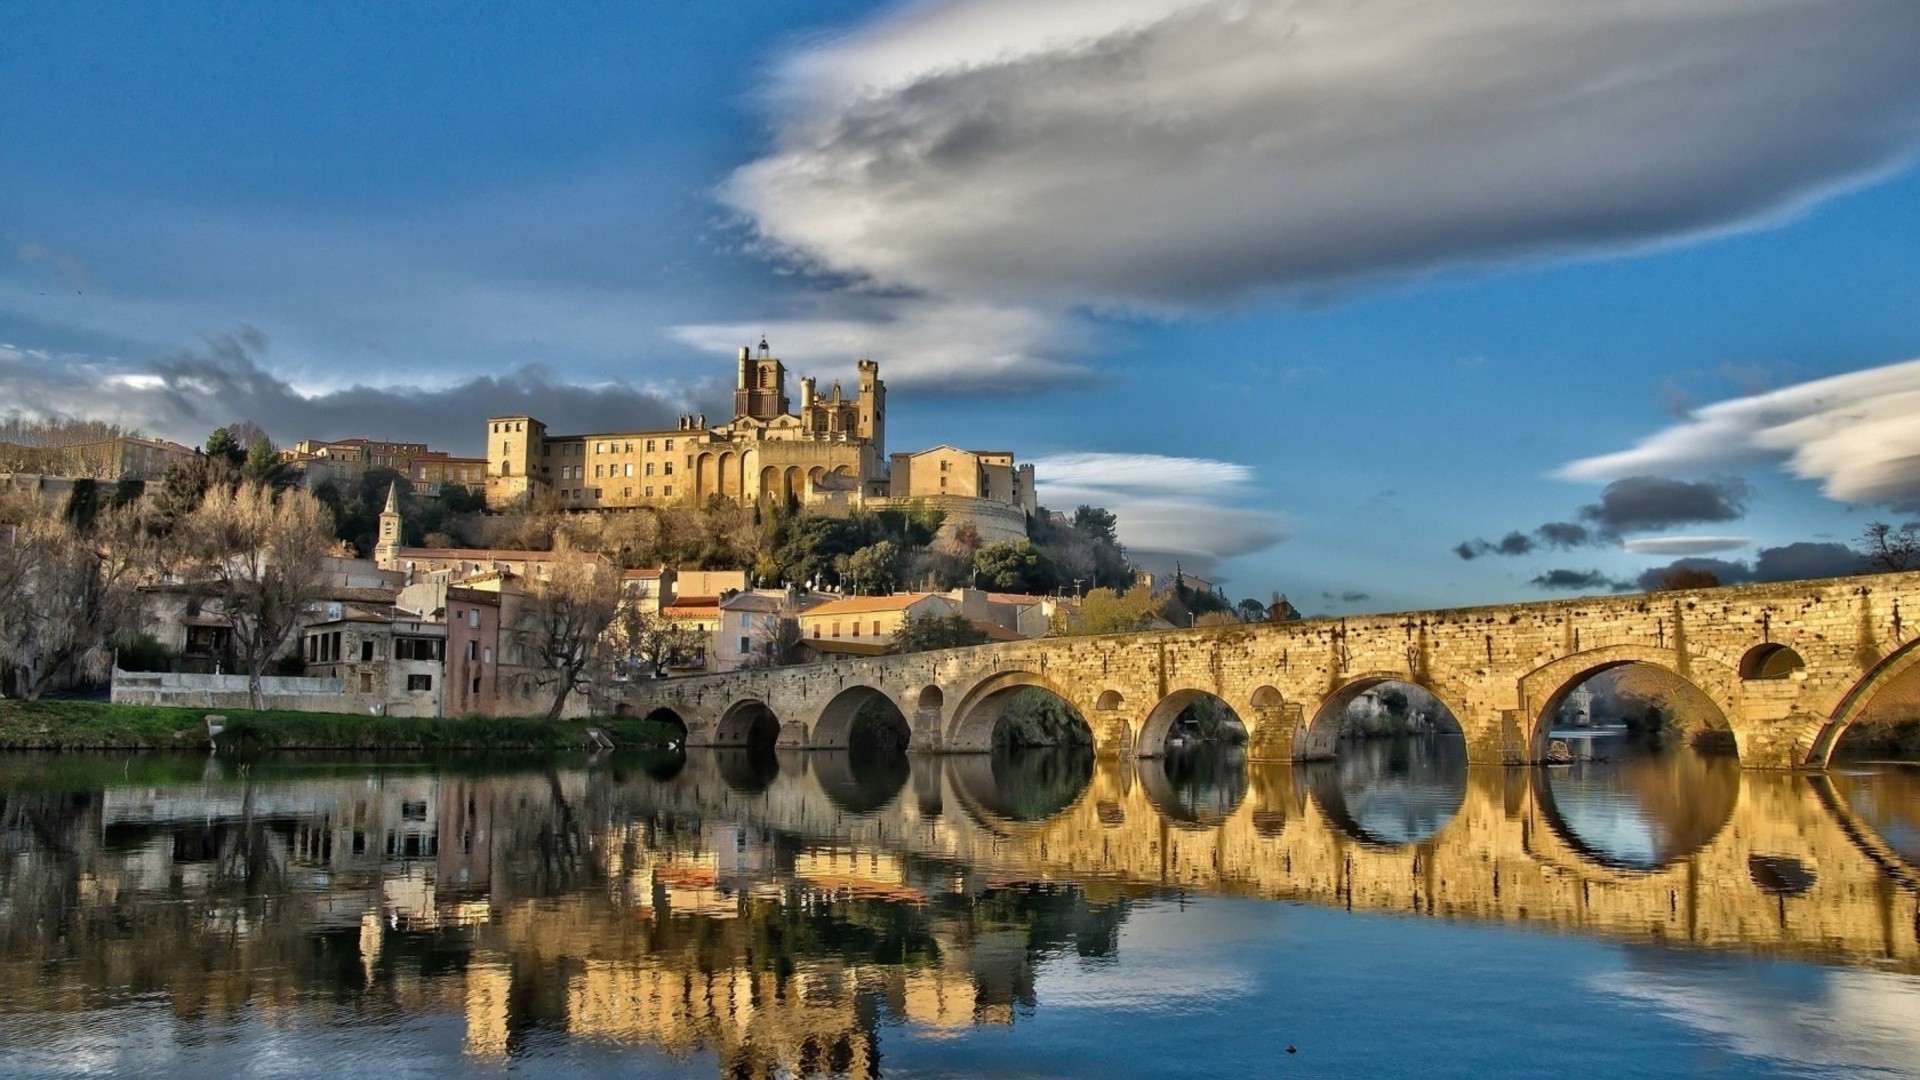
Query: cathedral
x,y
829,451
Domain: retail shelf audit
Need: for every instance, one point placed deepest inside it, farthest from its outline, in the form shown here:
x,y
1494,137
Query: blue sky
x,y
1315,294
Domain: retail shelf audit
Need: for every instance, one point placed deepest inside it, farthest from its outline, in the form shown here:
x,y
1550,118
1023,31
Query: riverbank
x,y
93,725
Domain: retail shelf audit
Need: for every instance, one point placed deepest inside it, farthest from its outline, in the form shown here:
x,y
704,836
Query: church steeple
x,y
386,551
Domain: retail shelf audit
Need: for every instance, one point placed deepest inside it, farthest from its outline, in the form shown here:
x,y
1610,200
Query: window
x,y
649,468
600,448
476,684
506,447
546,451
816,630
366,651
667,468
669,444
629,468
419,648
419,683
596,493
486,655
746,645
667,492
473,650
836,629
626,493
366,682
649,491
649,446
856,628
473,618
599,471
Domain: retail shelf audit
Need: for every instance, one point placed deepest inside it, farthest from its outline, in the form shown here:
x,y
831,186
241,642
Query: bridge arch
x,y
1320,740
1771,660
1822,737
1154,731
1544,689
747,722
835,728
977,714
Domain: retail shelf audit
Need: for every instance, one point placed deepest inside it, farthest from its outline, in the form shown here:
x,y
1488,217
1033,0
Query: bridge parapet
x,y
1788,665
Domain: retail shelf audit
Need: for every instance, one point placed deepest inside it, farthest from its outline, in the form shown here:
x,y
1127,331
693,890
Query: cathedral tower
x,y
761,391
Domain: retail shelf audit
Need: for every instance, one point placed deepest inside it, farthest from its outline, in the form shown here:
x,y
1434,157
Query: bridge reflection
x,y
774,909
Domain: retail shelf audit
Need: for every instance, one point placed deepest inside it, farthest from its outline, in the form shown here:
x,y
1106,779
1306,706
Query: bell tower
x,y
761,391
386,550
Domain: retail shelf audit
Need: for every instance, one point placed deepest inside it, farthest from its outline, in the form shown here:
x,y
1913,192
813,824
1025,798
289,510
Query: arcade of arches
x,y
1790,667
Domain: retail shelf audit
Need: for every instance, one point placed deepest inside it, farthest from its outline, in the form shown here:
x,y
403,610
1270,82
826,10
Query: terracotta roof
x,y
994,631
1017,599
857,605
692,607
362,595
483,555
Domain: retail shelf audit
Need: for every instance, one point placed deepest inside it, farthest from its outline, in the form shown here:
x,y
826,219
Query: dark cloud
x,y
1349,597
1554,534
1803,560
1587,580
1563,534
1728,573
1643,503
188,394
1798,561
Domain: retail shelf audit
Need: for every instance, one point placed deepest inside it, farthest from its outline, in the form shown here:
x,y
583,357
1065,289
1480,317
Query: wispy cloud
x,y
187,394
1195,511
1182,154
1686,545
1858,434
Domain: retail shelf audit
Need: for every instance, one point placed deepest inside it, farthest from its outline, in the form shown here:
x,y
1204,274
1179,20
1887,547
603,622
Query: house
x,y
865,625
747,621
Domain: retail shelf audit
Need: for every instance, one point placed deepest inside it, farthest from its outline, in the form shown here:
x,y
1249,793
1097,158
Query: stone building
x,y
830,450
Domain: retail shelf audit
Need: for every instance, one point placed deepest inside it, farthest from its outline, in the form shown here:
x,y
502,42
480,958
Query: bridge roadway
x,y
1789,666
1774,863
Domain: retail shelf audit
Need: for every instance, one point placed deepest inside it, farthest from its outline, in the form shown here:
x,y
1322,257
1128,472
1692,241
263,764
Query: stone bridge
x,y
1762,861
1789,666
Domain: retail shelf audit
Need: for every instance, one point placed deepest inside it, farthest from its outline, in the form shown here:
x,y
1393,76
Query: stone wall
x,y
187,691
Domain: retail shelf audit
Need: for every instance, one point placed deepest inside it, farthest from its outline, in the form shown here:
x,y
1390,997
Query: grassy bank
x,y
89,725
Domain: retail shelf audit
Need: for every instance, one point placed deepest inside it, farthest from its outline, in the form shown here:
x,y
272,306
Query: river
x,y
1033,914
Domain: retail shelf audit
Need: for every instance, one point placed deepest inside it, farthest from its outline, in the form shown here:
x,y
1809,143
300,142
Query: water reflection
x,y
1888,796
1636,808
1022,783
785,913
1392,791
1198,784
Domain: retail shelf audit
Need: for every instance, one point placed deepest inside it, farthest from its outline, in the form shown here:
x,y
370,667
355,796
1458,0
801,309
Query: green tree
x,y
1012,566
1104,611
1251,610
876,567
925,633
221,444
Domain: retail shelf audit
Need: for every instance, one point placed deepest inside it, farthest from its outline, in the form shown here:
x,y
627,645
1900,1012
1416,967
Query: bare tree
x,y
1891,549
67,594
259,554
642,640
60,446
776,640
563,627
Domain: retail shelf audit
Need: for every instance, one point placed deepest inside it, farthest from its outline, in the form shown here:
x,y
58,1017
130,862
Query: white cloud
x,y
922,343
1857,433
1195,511
1686,545
1180,154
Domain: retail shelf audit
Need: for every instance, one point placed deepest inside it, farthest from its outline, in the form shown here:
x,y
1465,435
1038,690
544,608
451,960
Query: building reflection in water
x,y
779,911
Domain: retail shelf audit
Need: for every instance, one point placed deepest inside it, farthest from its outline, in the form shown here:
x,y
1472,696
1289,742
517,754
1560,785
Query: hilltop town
x,y
411,581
